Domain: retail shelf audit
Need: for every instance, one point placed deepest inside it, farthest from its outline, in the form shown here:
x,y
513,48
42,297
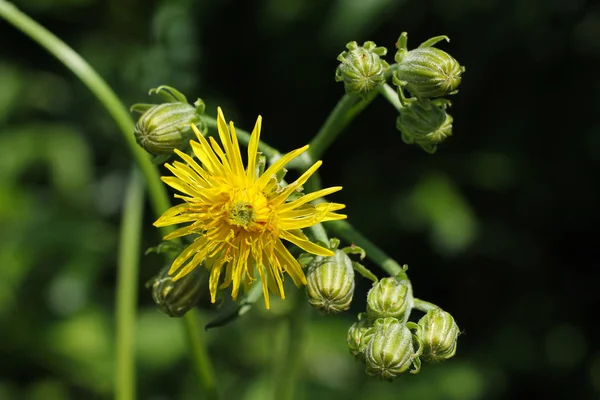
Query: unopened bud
x,y
175,298
427,71
439,334
165,127
425,122
361,68
390,350
330,283
390,297
357,340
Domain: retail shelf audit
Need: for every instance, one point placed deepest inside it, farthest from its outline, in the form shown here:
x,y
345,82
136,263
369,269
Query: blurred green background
x,y
497,227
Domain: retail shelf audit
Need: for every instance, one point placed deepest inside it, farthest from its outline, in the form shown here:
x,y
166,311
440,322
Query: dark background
x,y
499,227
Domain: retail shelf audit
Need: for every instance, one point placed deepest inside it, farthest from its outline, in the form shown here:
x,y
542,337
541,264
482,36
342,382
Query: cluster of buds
x,y
164,127
330,280
388,343
426,73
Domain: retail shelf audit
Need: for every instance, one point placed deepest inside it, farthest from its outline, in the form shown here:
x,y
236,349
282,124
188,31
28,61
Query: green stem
x,y
74,62
244,138
291,359
103,92
127,274
391,96
347,231
200,358
344,112
423,305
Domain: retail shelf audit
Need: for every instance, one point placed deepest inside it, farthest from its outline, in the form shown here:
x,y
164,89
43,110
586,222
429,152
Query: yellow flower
x,y
240,217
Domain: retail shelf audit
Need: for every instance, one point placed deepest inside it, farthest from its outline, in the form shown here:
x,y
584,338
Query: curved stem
x,y
74,62
391,96
344,112
423,305
127,274
93,81
347,231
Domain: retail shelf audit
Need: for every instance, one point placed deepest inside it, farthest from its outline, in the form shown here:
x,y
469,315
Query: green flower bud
x,y
425,122
361,68
175,298
356,338
166,127
330,283
390,350
390,297
439,334
427,71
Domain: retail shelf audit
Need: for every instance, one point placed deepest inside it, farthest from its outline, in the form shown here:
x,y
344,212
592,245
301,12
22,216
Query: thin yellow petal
x,y
277,165
225,137
290,264
253,150
236,156
306,244
289,189
308,198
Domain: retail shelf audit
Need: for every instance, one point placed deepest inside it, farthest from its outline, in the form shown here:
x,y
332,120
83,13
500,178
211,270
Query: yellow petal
x,y
253,150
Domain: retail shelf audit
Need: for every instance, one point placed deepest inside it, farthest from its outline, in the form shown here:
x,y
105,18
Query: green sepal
x,y
334,243
165,247
200,106
354,249
430,42
305,259
141,107
364,272
170,94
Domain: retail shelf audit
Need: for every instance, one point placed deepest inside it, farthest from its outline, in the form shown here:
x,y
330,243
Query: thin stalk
x,y
127,276
423,305
202,363
349,233
344,112
391,96
291,360
105,95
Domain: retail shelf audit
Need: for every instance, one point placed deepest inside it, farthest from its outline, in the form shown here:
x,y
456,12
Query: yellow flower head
x,y
241,217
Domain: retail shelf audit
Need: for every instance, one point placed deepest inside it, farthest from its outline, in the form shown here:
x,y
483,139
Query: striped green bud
x,y
362,69
439,335
427,71
390,350
425,122
166,127
356,338
330,283
390,297
162,128
175,298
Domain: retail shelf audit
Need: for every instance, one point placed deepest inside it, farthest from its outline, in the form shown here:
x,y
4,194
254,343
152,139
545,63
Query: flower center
x,y
248,209
241,214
